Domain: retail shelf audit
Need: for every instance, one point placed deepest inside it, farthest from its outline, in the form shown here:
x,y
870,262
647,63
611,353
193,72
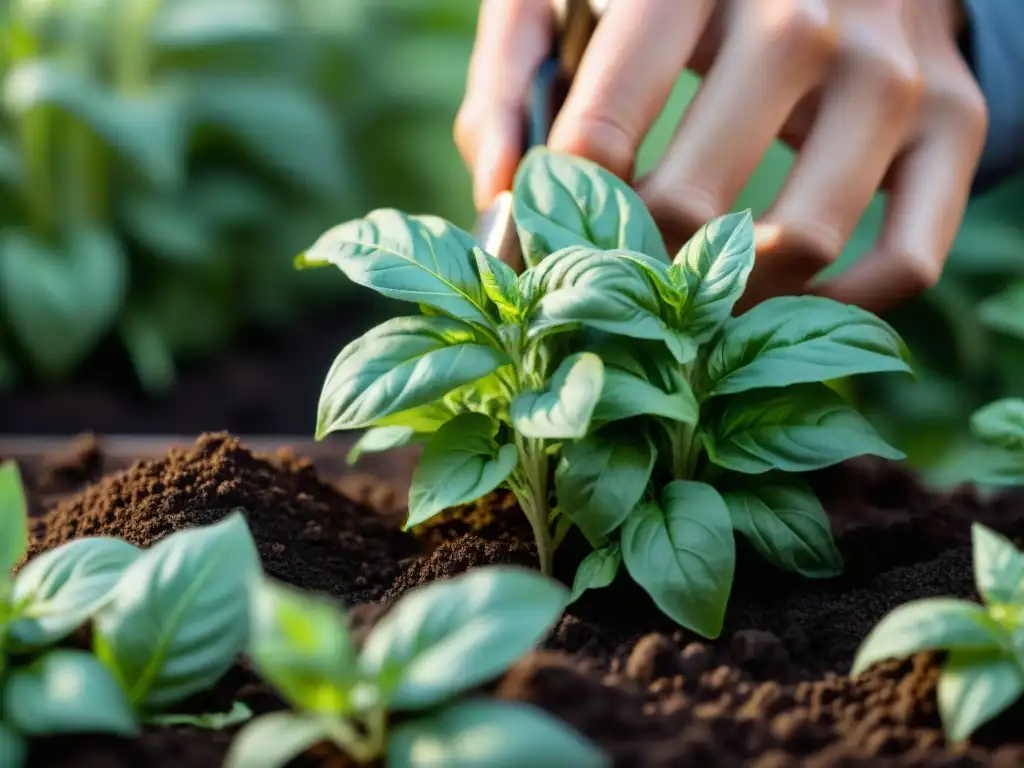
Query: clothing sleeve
x,y
994,47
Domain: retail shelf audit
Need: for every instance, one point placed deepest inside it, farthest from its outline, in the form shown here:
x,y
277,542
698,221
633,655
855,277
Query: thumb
x,y
512,39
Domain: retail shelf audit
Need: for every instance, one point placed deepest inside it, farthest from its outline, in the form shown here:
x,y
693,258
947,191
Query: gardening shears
x,y
575,22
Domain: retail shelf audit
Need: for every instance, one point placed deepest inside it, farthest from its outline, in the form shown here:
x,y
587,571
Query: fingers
x,y
773,54
930,185
513,37
628,71
868,110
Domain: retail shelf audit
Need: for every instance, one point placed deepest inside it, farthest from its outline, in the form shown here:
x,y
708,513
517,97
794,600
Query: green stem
x,y
363,749
132,64
532,493
34,138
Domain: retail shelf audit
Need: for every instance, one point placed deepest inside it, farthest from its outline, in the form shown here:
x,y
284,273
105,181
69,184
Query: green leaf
x,y
784,521
500,283
66,691
13,517
401,364
380,439
274,740
998,566
974,687
564,409
1001,424
797,429
931,624
798,339
1002,311
420,259
452,635
61,302
598,570
210,721
13,747
560,200
682,553
625,395
57,591
601,478
490,733
610,291
460,463
218,23
715,264
179,617
299,643
149,131
285,128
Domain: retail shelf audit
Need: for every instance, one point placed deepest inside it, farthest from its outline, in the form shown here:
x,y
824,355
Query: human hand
x,y
873,94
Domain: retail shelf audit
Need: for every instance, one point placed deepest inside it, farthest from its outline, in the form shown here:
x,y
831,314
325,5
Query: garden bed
x,y
772,691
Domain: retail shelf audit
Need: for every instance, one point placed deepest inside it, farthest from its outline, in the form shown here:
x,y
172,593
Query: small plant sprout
x,y
609,387
999,426
983,673
167,622
399,696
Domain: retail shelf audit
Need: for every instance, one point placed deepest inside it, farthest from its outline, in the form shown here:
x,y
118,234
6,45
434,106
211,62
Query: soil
x,y
771,692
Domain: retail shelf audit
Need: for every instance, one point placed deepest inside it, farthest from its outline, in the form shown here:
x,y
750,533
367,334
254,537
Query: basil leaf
x,y
56,592
420,259
715,265
797,339
935,623
210,721
380,439
489,733
625,395
560,200
401,364
796,429
784,521
66,691
998,566
598,570
13,747
274,740
460,463
682,553
601,478
607,291
1001,424
974,687
179,616
500,283
13,517
300,644
564,409
452,635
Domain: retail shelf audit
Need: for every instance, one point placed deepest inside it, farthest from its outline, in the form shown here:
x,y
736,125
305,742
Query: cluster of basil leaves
x,y
167,622
436,643
611,377
983,673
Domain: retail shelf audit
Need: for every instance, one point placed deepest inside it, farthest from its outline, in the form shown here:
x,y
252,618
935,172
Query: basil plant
x,y
983,673
167,622
608,386
437,643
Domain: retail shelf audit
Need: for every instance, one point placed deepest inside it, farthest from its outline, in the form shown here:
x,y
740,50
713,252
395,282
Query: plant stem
x,y
532,494
362,749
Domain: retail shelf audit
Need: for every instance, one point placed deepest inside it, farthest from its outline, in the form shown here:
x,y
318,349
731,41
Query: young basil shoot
x,y
436,644
999,427
167,621
983,673
613,377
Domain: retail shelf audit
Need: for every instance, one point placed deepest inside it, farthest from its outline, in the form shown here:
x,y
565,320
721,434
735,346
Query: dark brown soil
x,y
771,692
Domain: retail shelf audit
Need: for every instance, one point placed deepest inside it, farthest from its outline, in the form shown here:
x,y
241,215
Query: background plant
x,y
399,695
167,623
983,673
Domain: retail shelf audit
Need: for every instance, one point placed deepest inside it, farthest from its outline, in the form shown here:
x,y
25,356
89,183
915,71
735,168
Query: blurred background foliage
x,y
162,160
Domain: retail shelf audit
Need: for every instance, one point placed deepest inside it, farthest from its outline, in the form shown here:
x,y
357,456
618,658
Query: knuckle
x,y
805,25
921,270
959,101
896,73
601,137
814,241
680,207
464,130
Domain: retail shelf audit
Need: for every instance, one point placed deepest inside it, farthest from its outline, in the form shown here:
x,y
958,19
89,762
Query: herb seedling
x,y
668,422
999,427
437,643
167,622
983,673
